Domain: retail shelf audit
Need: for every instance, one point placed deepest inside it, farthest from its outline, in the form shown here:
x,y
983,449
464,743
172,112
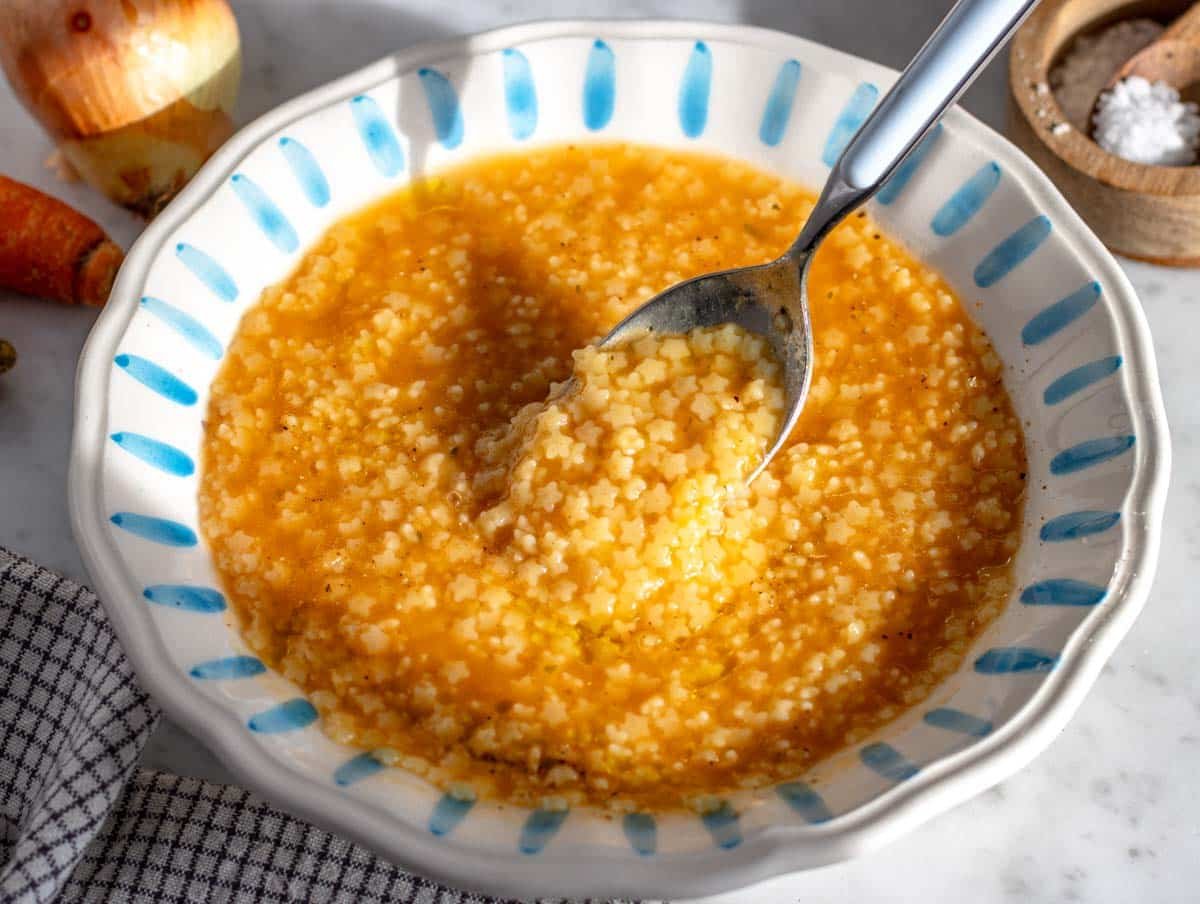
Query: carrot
x,y
50,250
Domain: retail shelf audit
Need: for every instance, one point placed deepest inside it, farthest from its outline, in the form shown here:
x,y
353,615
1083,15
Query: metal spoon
x,y
771,299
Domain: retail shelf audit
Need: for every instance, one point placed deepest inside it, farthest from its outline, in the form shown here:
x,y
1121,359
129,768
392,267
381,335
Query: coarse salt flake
x,y
1146,122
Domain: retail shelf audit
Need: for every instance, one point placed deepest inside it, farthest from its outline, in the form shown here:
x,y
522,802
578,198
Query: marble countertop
x,y
1110,813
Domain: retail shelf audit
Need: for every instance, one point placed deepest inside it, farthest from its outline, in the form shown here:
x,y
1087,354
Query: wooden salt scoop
x,y
1173,57
1146,212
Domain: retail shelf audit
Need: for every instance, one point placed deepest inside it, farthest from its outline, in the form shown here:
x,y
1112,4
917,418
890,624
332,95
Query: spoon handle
x,y
969,36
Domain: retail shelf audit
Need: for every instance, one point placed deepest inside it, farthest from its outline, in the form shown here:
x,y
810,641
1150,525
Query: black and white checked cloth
x,y
79,821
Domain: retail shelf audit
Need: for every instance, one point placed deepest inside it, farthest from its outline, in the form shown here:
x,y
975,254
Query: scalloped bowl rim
x,y
775,850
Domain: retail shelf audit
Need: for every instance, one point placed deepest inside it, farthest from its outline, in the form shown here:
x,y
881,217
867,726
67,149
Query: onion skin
x,y
136,93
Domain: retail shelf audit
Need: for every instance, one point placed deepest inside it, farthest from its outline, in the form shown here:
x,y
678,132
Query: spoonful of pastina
x,y
771,299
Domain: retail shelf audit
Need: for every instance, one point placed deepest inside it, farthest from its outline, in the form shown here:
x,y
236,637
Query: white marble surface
x,y
1110,813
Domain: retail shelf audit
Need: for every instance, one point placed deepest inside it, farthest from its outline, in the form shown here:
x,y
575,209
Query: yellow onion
x,y
136,93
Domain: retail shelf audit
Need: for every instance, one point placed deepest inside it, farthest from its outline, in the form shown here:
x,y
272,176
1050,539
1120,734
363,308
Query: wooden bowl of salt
x,y
1061,59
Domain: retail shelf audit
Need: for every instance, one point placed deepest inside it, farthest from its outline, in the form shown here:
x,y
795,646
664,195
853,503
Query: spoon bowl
x,y
768,300
771,299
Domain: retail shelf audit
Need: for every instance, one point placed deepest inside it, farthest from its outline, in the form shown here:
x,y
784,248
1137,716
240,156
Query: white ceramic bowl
x,y
1058,309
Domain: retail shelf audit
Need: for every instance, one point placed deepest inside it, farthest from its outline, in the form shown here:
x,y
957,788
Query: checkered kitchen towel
x,y
79,821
